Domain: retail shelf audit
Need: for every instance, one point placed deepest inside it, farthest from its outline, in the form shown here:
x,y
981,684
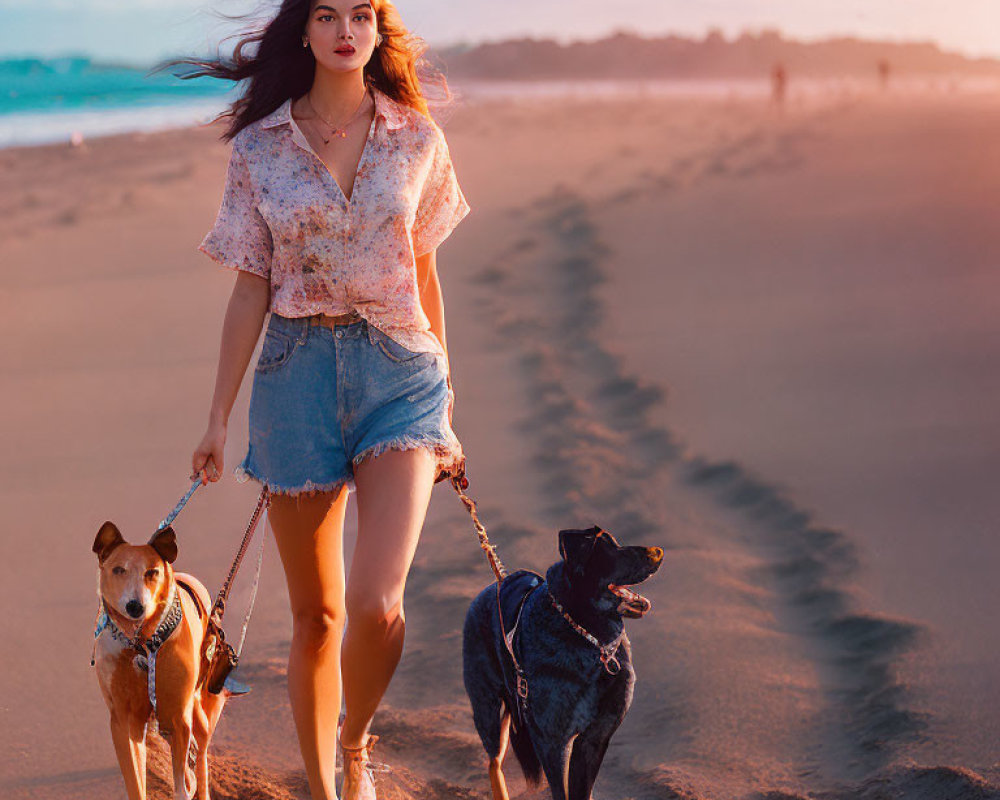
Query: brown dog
x,y
154,621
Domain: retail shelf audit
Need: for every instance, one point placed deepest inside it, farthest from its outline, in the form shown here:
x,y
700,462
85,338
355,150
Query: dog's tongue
x,y
633,604
643,604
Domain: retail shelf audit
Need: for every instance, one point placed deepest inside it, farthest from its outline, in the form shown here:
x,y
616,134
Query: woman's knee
x,y
316,627
373,610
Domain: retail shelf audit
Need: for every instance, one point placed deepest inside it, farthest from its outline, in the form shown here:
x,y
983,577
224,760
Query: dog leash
x,y
461,482
254,585
180,504
219,607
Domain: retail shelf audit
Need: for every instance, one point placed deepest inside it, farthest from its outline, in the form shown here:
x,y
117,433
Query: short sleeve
x,y
442,205
240,238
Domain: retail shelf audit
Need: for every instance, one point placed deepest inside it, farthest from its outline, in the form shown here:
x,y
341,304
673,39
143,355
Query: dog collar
x,y
169,621
608,658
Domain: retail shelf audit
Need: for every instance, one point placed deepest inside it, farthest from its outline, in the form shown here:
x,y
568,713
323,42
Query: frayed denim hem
x,y
243,474
447,453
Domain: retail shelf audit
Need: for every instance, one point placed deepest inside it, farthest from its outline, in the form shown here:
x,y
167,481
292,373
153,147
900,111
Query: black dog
x,y
564,676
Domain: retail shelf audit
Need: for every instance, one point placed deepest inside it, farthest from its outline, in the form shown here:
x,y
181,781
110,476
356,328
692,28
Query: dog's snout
x,y
134,609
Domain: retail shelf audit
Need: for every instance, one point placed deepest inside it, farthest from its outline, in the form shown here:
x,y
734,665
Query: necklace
x,y
334,130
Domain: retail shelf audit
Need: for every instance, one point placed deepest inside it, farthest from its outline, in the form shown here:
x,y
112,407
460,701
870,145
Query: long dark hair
x,y
281,68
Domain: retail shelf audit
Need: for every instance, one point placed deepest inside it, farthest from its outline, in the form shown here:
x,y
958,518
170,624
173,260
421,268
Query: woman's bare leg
x,y
309,531
393,490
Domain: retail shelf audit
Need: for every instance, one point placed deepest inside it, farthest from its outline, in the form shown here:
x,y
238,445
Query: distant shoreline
x,y
48,128
53,99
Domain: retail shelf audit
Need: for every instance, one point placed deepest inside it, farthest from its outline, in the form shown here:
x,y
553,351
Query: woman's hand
x,y
208,455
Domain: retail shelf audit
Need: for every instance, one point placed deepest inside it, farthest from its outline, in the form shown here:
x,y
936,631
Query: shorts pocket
x,y
391,348
276,350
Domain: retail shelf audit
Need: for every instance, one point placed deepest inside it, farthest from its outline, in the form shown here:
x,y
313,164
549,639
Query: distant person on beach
x,y
779,82
339,190
883,73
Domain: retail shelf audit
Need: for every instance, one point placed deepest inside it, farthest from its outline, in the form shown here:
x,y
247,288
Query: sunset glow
x,y
145,30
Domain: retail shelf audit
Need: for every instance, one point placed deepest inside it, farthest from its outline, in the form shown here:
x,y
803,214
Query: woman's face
x,y
334,26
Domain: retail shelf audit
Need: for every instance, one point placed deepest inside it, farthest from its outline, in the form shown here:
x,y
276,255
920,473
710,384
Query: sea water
x,y
51,100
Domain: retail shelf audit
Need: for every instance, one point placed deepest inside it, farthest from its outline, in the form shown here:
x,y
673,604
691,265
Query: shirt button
x,y
340,334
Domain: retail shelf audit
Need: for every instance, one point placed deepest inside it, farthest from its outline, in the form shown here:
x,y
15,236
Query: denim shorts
x,y
325,399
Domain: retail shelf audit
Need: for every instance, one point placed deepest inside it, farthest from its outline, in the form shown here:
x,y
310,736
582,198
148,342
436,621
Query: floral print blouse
x,y
284,217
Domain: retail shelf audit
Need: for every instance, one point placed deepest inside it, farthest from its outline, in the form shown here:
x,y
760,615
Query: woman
x,y
339,190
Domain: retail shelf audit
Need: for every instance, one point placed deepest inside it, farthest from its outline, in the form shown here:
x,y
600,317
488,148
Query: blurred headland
x,y
750,55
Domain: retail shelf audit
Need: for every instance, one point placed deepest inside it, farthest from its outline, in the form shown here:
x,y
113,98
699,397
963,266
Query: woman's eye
x,y
326,17
118,570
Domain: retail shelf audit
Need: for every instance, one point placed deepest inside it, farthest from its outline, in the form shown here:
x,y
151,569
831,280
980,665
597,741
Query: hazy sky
x,y
145,30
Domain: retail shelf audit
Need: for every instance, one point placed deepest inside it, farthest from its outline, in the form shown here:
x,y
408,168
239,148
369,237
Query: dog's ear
x,y
108,538
575,546
164,542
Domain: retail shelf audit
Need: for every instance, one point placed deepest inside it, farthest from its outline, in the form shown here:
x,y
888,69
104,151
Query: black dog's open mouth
x,y
632,604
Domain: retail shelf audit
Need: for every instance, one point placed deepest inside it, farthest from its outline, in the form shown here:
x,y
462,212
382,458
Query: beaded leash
x,y
180,504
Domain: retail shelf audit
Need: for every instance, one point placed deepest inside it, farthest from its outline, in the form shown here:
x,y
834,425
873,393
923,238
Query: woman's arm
x,y
433,304
245,314
430,294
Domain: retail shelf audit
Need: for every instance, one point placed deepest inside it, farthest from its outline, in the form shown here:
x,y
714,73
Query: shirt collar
x,y
391,111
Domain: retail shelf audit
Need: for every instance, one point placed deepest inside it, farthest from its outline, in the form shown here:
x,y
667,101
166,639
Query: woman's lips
x,y
344,51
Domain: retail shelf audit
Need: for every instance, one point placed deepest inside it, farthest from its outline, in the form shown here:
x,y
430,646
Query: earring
x,y
305,42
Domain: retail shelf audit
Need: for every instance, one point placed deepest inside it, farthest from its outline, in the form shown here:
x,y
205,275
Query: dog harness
x,y
145,657
169,622
531,582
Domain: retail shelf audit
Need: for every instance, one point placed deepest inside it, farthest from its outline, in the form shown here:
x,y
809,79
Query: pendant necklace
x,y
342,131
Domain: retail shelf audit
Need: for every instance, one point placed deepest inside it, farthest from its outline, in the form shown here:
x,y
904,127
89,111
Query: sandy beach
x,y
766,342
